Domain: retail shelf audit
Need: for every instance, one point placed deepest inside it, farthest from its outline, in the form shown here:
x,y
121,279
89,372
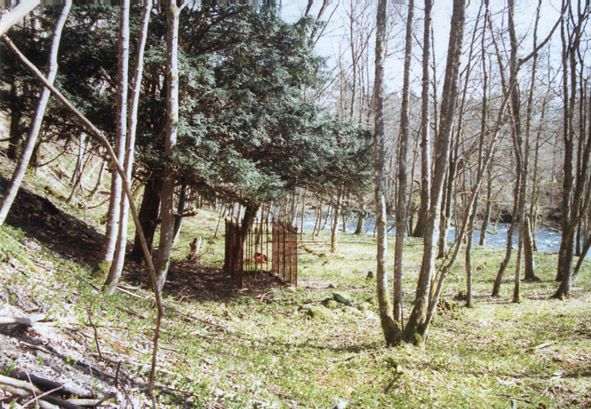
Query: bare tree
x,y
425,125
418,321
388,325
52,67
117,265
114,213
173,12
401,202
576,195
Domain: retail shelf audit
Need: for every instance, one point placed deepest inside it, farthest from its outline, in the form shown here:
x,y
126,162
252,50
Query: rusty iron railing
x,y
270,247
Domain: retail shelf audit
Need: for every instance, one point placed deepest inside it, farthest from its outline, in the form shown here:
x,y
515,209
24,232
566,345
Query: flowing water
x,y
547,240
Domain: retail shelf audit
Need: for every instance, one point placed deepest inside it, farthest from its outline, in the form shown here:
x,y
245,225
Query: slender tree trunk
x,y
528,251
121,247
487,210
168,180
317,221
114,216
76,179
181,207
508,245
360,220
222,215
447,202
16,15
335,223
387,323
468,258
99,180
402,172
15,123
327,217
52,67
418,322
584,251
425,126
517,134
303,214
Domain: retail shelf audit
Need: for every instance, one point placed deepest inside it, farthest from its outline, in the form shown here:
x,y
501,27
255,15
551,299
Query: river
x,y
547,240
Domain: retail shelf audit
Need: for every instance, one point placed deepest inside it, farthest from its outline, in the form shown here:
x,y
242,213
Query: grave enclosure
x,y
267,247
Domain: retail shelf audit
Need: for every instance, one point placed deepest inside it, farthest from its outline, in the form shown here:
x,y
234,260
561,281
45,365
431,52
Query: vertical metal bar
x,y
285,257
295,281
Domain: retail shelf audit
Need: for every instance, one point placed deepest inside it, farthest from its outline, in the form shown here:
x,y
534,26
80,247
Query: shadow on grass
x,y
55,229
74,239
191,282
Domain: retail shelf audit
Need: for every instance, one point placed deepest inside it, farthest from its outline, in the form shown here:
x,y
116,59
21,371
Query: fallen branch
x,y
37,398
91,402
16,320
46,384
24,393
33,390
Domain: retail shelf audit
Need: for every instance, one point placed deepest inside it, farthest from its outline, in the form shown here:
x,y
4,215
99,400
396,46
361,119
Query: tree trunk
x,y
178,220
468,258
99,180
168,180
121,248
52,67
317,221
335,223
487,210
417,326
387,323
148,215
528,251
15,123
303,214
360,221
508,247
76,179
402,172
419,230
15,15
114,216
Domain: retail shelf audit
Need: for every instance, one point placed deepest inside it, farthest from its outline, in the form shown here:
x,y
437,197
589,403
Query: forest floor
x,y
271,345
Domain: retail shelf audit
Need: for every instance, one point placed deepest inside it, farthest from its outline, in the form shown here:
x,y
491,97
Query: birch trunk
x,y
120,250
52,67
114,216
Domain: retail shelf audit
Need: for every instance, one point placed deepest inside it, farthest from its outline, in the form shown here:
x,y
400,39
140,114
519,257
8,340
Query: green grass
x,y
267,351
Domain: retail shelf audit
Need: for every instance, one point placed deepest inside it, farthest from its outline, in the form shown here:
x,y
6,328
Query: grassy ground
x,y
286,347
